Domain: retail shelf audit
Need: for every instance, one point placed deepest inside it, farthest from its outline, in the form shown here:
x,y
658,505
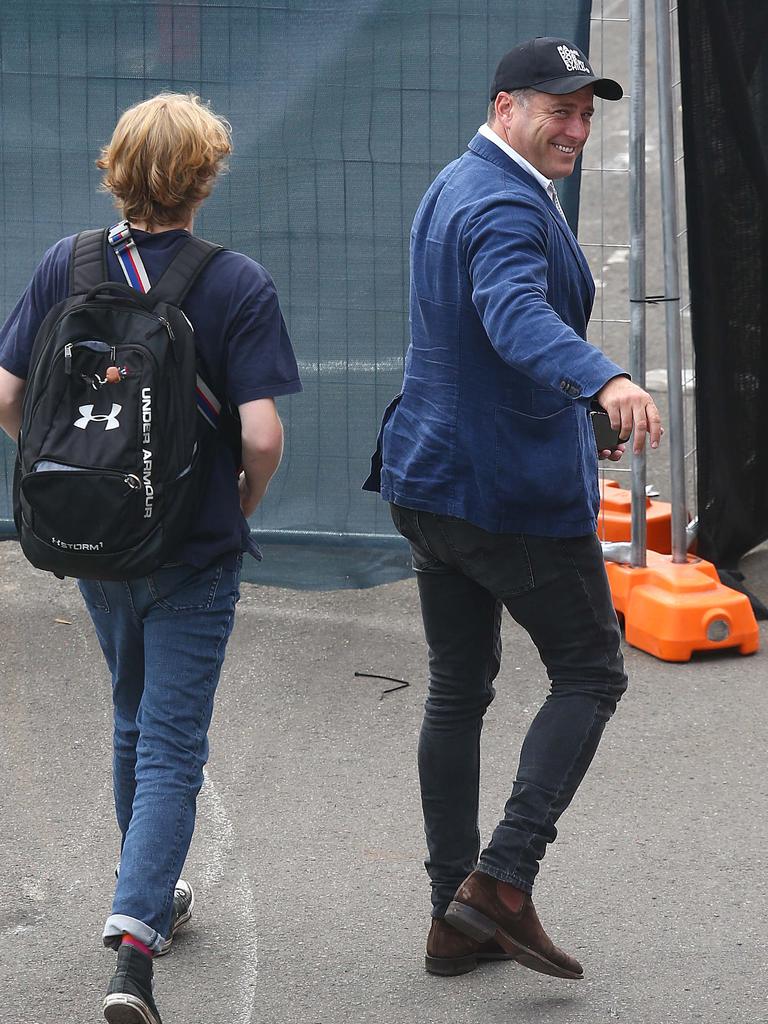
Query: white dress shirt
x,y
546,183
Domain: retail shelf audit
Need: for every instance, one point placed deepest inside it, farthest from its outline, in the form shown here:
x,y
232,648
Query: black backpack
x,y
113,453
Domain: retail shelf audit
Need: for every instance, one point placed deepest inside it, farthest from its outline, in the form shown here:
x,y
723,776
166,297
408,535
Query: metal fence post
x,y
671,284
637,345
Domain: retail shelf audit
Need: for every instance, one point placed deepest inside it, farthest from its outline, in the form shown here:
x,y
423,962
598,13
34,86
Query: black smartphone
x,y
606,438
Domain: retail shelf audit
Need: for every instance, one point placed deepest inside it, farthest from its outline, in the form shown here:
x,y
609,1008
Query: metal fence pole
x,y
637,256
671,283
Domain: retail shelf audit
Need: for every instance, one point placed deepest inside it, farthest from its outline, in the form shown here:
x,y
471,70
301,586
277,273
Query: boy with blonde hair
x,y
164,634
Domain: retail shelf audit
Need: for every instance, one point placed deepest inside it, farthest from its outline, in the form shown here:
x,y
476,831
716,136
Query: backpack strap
x,y
88,263
180,274
172,287
183,270
128,256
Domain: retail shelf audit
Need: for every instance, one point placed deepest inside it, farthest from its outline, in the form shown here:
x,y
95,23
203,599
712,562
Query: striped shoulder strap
x,y
172,287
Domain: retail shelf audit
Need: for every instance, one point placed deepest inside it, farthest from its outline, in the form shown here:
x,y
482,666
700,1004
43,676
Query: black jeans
x,y
557,589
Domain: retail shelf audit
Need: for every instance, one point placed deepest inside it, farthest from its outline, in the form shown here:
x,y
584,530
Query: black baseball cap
x,y
550,65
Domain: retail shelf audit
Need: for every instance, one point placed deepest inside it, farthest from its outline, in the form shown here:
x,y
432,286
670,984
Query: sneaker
x,y
183,902
129,996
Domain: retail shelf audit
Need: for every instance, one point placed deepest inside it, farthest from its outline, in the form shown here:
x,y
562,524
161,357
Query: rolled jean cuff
x,y
118,924
505,876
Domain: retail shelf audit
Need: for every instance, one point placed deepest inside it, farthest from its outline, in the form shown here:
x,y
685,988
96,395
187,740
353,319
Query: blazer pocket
x,y
537,460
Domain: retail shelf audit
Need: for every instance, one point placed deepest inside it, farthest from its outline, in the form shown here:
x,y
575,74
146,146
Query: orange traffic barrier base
x,y
671,610
614,521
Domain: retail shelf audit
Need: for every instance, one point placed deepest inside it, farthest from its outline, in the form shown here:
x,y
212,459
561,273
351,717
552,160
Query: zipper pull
x,y
166,324
68,358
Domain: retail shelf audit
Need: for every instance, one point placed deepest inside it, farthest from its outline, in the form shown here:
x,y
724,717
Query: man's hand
x,y
631,409
612,454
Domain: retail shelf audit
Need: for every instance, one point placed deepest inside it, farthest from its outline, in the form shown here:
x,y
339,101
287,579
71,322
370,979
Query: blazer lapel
x,y
576,249
489,151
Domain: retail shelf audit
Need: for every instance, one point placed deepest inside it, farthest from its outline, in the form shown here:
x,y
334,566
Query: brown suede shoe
x,y
485,909
449,952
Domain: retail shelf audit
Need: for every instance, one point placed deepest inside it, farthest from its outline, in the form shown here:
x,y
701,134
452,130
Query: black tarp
x,y
724,62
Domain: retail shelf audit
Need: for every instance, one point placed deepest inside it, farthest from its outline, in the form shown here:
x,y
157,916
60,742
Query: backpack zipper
x,y
93,344
145,349
167,325
130,306
132,480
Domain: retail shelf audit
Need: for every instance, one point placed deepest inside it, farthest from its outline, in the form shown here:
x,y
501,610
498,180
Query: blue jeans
x,y
557,589
164,638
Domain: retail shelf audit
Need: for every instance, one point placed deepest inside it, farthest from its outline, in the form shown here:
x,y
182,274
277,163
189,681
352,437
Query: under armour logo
x,y
572,60
86,417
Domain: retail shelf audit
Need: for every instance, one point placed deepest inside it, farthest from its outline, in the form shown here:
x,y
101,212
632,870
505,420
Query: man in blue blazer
x,y
489,461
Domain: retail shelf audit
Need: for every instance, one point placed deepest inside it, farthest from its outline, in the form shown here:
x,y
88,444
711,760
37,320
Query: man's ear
x,y
502,105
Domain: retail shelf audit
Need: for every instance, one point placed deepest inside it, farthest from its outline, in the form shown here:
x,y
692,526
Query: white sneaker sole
x,y
121,1008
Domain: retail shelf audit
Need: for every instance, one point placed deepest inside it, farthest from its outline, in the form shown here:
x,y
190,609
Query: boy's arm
x,y
11,395
262,437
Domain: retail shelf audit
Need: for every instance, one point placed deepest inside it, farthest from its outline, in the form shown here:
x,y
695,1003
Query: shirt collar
x,y
488,133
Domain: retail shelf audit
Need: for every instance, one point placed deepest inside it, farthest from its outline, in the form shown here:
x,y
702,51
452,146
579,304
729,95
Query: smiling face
x,y
549,131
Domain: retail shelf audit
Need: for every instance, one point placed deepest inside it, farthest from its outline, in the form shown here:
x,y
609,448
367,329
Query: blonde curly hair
x,y
163,158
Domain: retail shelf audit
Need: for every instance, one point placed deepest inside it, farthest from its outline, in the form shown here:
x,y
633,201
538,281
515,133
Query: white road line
x,y
220,849
223,832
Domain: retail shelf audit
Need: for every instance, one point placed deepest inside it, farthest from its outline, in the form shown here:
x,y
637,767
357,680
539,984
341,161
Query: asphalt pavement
x,y
312,902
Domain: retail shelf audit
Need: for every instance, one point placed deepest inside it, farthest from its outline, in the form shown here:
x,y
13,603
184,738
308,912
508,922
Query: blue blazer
x,y
492,424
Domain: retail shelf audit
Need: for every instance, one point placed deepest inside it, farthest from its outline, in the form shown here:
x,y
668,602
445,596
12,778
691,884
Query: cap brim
x,y
605,88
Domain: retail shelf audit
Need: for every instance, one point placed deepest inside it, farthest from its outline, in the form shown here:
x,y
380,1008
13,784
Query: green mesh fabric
x,y
342,115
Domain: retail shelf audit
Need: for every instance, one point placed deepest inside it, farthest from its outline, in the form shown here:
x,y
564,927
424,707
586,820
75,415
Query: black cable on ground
x,y
391,679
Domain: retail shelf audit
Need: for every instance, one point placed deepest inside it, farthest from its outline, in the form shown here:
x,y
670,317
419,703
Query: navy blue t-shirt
x,y
241,338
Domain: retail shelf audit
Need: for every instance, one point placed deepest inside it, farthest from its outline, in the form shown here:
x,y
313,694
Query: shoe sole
x,y
122,1008
166,948
484,929
449,967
